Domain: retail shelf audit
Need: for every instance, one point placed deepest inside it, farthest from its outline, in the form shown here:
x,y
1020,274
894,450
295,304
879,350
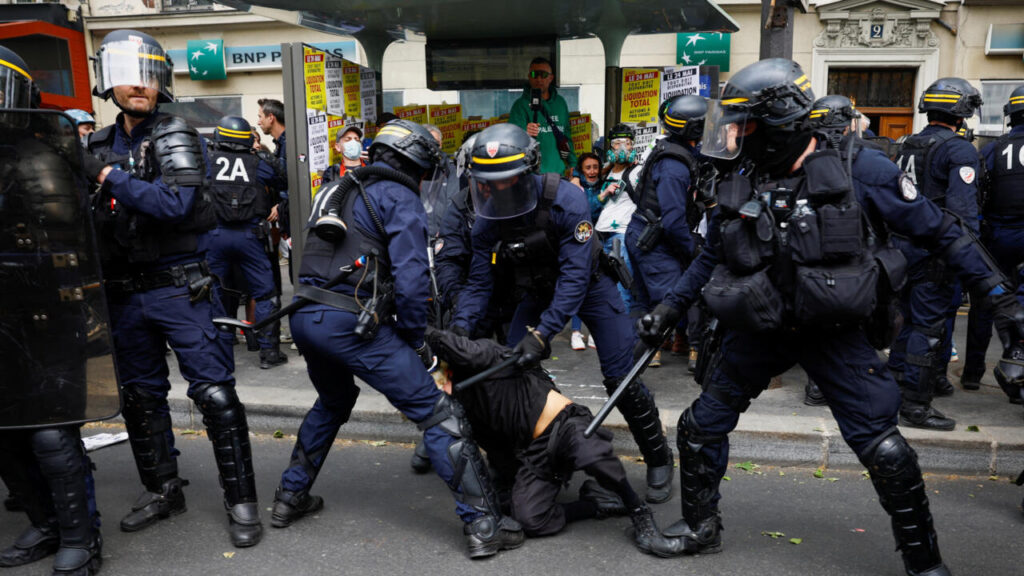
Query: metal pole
x,y
299,187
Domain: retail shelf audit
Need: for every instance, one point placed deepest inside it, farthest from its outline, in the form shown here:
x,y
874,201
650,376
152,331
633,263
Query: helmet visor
x,y
15,87
128,63
724,127
503,198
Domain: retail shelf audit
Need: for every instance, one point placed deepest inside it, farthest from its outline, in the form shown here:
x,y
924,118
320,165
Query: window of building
x,y
203,112
187,5
874,87
48,59
994,94
393,99
491,103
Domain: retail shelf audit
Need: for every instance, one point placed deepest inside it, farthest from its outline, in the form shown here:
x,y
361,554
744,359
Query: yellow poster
x,y
316,180
413,112
641,89
350,81
334,123
313,72
448,117
579,127
474,125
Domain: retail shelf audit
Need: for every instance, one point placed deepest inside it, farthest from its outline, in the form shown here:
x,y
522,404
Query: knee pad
x,y
889,457
470,482
449,415
220,406
689,436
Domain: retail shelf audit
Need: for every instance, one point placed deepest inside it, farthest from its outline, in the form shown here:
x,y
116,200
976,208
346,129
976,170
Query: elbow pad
x,y
178,151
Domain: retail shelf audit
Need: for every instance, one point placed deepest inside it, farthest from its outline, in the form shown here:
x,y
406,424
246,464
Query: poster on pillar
x,y
641,90
319,147
334,124
313,74
334,85
448,117
644,134
368,94
353,98
679,80
579,128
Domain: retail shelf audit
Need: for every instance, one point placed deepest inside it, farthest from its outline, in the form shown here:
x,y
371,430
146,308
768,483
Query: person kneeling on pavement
x,y
521,410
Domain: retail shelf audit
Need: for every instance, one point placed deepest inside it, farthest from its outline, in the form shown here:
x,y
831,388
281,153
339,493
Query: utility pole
x,y
777,27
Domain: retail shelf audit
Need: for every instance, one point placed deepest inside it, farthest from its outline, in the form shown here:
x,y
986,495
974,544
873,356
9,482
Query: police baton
x,y
613,399
251,331
486,373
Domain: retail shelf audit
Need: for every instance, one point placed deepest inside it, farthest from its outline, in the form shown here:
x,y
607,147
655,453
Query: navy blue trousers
x,y
861,393
335,356
241,245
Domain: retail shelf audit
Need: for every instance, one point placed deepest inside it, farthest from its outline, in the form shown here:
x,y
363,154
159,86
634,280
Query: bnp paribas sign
x,y
703,49
206,60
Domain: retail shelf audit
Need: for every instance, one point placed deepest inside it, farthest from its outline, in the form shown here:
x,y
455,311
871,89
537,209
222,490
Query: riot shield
x,y
56,353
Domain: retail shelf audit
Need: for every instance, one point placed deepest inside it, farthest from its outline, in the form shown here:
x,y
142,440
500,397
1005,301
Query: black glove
x,y
92,166
654,327
426,355
1008,317
530,349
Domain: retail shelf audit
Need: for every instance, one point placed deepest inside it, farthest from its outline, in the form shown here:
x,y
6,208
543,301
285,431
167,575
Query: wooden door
x,y
896,125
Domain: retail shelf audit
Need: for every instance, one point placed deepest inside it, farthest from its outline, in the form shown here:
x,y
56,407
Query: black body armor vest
x,y
915,158
127,237
237,193
1006,181
323,259
530,249
795,251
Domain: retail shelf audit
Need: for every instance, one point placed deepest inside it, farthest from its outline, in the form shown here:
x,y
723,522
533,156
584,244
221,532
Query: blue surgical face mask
x,y
352,149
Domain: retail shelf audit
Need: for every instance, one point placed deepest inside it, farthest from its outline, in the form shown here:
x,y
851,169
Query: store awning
x,y
1005,39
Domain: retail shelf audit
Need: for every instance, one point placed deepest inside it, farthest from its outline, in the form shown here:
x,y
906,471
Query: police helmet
x,y
233,131
832,112
1014,107
501,167
682,116
133,58
774,91
952,96
17,90
80,116
409,140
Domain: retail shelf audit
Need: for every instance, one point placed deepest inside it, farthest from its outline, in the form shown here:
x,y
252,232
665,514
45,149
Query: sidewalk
x,y
777,428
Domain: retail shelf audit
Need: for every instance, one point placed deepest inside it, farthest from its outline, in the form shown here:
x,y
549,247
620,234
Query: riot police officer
x,y
670,204
153,220
52,322
944,167
792,274
366,263
243,190
538,230
1003,211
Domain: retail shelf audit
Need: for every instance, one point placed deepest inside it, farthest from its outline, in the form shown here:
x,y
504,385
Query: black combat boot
x,y
813,395
701,524
608,503
271,357
167,501
226,426
290,506
34,543
897,479
420,461
149,424
941,386
650,540
917,415
971,378
488,535
637,406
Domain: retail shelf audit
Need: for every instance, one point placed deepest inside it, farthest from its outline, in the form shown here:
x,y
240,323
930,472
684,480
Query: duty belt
x,y
146,281
328,298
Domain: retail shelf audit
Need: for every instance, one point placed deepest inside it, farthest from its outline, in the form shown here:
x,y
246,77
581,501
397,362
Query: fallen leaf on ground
x,y
772,534
795,540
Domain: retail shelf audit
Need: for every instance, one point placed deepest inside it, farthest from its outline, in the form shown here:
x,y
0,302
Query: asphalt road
x,y
380,518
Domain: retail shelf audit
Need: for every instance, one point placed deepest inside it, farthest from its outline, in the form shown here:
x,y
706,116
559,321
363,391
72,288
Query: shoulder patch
x,y
584,230
907,189
967,174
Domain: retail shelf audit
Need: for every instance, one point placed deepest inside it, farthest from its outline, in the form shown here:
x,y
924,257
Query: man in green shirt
x,y
538,122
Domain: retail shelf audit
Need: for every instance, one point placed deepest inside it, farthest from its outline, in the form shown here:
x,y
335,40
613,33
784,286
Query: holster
x,y
651,233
